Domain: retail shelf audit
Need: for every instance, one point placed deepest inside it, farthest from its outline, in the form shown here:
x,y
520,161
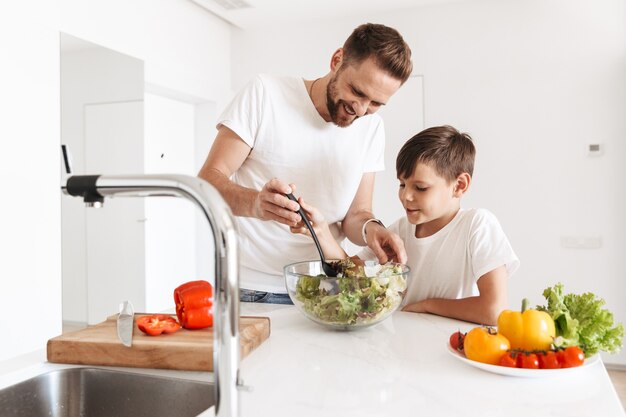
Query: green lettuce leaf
x,y
353,297
581,320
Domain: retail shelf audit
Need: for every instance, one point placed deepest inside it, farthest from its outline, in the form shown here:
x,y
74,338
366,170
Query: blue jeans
x,y
253,296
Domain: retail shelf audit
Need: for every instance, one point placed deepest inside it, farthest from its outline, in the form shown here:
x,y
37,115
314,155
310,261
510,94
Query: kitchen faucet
x,y
94,188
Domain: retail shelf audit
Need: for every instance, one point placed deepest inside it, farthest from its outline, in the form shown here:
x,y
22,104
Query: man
x,y
320,136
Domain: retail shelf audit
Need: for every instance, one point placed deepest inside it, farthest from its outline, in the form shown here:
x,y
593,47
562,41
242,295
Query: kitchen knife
x,y
125,323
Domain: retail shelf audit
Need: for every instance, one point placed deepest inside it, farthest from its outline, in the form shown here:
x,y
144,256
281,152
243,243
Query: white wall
x,y
186,54
88,76
184,49
114,235
170,226
533,82
30,227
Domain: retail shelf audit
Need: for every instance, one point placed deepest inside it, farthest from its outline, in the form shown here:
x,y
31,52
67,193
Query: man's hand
x,y
272,204
387,246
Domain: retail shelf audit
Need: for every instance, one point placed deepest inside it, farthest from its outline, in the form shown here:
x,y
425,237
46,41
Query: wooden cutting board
x,y
190,350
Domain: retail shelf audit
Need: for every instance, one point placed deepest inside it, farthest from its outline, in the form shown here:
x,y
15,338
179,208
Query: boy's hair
x,y
391,53
449,152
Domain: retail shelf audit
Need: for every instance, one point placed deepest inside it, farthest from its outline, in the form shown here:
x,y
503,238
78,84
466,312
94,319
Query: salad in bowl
x,y
360,295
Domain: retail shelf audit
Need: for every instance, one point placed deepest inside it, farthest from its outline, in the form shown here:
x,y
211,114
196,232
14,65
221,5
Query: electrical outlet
x,y
595,149
581,242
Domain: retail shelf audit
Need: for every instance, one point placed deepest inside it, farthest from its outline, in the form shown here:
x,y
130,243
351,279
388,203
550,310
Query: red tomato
x,y
529,361
548,360
156,324
456,341
509,359
571,357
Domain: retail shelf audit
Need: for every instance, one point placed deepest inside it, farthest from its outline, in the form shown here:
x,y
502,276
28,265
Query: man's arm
x,y
227,155
481,309
386,246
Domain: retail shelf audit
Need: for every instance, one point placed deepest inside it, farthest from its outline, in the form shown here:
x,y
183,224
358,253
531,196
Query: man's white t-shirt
x,y
290,141
449,263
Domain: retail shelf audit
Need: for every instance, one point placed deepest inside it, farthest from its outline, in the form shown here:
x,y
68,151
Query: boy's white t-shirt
x,y
449,263
290,141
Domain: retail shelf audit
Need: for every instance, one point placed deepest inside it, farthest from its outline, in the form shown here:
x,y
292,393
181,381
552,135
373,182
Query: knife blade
x,y
125,323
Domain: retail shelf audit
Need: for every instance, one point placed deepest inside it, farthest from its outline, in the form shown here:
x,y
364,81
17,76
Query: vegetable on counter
x,y
355,297
527,329
194,304
560,335
550,360
156,324
570,357
457,340
485,344
510,359
528,360
581,321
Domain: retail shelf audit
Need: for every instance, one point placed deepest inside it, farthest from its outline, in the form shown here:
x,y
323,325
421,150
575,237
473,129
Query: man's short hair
x,y
391,53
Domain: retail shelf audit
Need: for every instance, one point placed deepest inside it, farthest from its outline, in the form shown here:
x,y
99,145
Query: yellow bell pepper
x,y
527,330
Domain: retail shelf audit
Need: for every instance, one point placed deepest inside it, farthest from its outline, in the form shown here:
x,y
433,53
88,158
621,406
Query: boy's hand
x,y
386,245
330,247
315,218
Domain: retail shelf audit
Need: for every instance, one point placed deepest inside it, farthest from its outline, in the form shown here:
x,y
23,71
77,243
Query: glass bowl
x,y
364,297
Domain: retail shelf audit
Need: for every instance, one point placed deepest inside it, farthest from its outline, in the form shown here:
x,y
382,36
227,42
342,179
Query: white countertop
x,y
397,368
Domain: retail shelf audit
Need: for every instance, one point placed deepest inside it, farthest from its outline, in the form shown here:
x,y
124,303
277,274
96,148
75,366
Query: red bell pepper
x,y
156,324
194,304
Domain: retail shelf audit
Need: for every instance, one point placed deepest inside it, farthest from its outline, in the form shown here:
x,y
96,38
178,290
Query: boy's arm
x,y
481,309
329,245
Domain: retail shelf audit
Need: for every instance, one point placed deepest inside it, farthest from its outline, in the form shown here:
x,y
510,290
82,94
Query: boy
x,y
460,259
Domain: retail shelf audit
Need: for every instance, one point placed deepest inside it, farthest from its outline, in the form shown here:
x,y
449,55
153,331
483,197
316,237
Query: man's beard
x,y
334,105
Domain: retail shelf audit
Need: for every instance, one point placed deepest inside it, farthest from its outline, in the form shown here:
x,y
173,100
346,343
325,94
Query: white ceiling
x,y
263,12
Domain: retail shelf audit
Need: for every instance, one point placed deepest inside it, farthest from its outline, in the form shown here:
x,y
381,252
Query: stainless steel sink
x,y
95,392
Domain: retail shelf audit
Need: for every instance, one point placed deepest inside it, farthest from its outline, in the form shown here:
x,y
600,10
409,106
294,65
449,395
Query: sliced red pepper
x,y
157,324
194,304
